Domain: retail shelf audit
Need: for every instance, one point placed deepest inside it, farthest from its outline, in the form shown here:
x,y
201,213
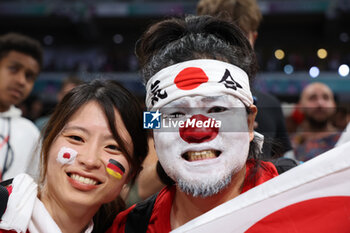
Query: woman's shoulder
x,y
24,191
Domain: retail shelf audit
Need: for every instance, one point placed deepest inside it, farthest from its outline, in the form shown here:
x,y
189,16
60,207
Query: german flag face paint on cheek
x,y
115,169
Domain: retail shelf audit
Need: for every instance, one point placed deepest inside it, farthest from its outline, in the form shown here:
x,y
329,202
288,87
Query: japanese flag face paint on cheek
x,y
115,169
66,155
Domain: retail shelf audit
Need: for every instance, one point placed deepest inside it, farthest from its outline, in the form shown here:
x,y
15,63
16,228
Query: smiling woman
x,y
92,146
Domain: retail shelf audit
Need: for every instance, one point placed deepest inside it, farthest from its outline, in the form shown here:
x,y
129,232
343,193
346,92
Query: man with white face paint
x,y
197,75
202,159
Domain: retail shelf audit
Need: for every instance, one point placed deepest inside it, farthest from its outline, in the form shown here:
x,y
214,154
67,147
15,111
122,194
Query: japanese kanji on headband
x,y
197,77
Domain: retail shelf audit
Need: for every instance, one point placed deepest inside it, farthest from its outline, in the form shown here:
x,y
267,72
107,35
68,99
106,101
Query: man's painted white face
x,y
202,160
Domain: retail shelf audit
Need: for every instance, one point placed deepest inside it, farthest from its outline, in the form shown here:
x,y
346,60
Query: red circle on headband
x,y
190,78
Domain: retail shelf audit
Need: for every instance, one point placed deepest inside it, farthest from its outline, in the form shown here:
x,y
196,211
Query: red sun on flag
x,y
326,214
190,78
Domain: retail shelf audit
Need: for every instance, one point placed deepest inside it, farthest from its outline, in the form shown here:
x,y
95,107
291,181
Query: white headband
x,y
197,77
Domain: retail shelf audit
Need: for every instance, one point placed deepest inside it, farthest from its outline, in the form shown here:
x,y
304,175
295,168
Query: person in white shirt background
x,y
20,63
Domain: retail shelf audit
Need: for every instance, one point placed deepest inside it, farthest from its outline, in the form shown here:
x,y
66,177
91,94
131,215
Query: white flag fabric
x,y
313,197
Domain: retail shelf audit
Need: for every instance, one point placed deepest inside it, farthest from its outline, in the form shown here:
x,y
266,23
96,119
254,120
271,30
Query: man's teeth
x,y
200,155
83,180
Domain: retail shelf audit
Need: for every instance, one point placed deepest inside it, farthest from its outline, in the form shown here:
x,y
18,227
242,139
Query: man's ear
x,y
253,110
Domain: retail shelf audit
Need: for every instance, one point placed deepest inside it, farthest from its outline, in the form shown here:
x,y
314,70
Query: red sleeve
x,y
119,222
267,171
258,173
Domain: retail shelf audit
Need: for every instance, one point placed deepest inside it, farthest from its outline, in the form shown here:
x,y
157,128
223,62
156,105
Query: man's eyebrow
x,y
183,102
177,103
212,98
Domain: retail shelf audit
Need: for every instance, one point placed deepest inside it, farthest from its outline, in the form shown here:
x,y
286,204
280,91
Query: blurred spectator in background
x,y
270,120
68,84
316,134
20,63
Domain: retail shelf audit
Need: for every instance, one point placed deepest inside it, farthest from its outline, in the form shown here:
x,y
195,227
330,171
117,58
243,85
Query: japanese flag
x,y
313,197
